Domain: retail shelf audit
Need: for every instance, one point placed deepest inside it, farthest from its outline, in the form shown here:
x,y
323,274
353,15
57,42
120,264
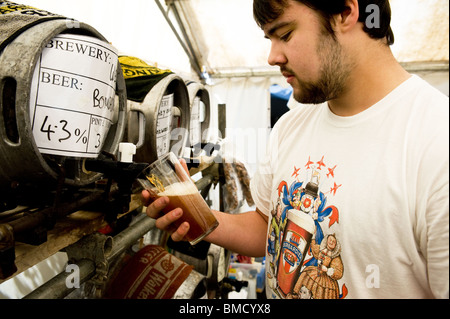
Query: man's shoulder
x,y
425,90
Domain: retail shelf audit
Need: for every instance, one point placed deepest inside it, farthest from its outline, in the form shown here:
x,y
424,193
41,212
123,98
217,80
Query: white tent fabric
x,y
228,45
248,114
227,35
231,47
421,30
135,27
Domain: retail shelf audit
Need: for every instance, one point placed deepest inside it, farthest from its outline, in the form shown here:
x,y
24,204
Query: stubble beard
x,y
333,75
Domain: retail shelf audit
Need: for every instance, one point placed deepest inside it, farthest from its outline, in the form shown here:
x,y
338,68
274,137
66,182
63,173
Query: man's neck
x,y
375,74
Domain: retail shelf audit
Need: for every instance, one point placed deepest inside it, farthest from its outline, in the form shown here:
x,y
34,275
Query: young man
x,y
366,216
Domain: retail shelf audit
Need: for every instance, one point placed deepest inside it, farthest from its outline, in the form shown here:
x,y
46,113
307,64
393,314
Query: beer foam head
x,y
180,188
302,219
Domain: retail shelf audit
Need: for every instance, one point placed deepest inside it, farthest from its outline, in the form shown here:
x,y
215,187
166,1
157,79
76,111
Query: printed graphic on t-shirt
x,y
303,248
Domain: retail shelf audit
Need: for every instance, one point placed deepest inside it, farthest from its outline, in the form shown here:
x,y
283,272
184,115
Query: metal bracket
x,y
95,247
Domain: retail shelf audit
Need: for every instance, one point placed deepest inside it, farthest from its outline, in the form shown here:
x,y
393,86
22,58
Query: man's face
x,y
310,58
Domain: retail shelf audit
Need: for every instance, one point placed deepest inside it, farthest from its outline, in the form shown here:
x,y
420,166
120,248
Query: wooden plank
x,y
66,232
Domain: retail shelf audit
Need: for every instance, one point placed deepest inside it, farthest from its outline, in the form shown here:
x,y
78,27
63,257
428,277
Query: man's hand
x,y
165,221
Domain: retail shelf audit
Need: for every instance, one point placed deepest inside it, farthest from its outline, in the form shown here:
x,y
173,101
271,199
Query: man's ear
x,y
348,18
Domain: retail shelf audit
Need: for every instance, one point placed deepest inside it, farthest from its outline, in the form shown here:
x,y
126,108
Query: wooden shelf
x,y
67,231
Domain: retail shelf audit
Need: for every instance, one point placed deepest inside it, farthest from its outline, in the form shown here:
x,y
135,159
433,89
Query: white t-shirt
x,y
372,189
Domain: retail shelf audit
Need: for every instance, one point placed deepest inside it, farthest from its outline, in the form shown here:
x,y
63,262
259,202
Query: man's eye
x,y
286,36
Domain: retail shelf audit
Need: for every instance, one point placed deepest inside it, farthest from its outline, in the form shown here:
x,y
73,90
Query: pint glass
x,y
167,177
296,241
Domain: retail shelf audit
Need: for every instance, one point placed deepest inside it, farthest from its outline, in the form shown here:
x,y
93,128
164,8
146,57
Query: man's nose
x,y
276,56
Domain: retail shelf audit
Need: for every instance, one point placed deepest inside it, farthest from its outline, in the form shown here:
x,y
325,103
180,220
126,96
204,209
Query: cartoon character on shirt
x,y
322,280
312,201
274,233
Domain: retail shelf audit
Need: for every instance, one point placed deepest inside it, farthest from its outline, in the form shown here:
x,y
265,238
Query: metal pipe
x,y
191,58
186,37
236,72
129,236
239,73
56,288
204,181
222,125
426,66
35,219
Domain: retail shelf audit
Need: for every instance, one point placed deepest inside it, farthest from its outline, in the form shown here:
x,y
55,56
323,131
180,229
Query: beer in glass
x,y
167,177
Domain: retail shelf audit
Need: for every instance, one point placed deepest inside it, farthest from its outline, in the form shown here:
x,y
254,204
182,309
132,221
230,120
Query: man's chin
x,y
309,98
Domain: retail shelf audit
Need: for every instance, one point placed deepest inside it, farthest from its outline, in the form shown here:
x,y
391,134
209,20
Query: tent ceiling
x,y
232,41
223,38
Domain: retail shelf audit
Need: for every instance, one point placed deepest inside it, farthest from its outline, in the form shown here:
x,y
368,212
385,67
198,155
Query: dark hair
x,y
265,11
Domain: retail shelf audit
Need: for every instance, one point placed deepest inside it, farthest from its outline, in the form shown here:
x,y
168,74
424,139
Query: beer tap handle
x,y
124,172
